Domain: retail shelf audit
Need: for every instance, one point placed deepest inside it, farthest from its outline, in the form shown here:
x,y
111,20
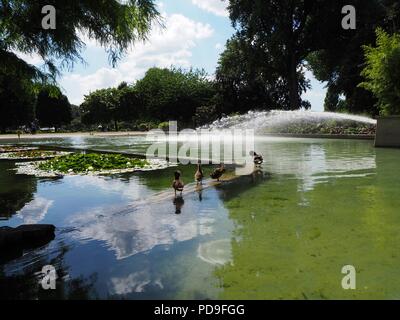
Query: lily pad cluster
x,y
82,163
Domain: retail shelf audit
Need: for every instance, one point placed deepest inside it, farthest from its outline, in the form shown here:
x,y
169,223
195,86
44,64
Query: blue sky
x,y
195,34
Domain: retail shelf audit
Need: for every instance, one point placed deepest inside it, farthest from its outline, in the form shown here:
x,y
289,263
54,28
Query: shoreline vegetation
x,y
46,135
344,128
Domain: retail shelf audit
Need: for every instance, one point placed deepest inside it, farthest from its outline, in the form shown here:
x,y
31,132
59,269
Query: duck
x,y
178,184
257,158
198,176
218,172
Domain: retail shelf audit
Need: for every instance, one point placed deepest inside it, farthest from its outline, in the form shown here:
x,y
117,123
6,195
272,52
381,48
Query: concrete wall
x,y
388,132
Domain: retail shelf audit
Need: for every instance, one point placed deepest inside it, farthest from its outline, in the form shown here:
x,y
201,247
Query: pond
x,y
284,232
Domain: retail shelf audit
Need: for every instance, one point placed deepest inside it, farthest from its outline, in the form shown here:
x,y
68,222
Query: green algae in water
x,y
291,251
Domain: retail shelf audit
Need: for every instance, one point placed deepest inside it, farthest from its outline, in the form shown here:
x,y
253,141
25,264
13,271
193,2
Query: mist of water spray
x,y
263,121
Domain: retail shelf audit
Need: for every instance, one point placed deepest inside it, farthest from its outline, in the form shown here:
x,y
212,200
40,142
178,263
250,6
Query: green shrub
x,y
382,72
164,126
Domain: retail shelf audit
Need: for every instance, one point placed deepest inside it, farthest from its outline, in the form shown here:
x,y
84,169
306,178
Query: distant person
x,y
257,158
178,184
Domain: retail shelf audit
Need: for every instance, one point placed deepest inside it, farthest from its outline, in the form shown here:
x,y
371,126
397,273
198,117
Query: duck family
x,y
218,172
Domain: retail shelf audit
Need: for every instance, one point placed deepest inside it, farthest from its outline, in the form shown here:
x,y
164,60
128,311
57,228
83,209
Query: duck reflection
x,y
243,183
178,203
257,175
199,190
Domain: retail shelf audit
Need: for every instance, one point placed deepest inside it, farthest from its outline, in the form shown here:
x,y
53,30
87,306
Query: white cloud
x,y
33,59
133,230
217,7
219,46
35,211
135,282
165,47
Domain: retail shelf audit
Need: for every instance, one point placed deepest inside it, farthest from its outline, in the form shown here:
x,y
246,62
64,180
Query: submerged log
x,y
13,241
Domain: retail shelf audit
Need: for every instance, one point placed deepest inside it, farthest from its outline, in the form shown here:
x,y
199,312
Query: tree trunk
x,y
293,85
116,125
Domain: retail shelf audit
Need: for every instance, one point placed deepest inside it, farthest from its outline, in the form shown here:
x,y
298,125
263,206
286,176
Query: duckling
x,y
257,158
218,172
178,184
198,176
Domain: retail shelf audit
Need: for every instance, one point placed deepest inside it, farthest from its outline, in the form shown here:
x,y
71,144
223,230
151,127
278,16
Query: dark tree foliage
x,y
52,108
162,95
274,38
16,101
340,58
111,105
174,94
263,65
245,80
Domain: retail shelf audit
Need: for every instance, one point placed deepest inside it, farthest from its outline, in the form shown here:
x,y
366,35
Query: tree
x,y
52,108
110,105
246,81
382,72
114,24
174,94
339,59
278,36
16,101
129,103
99,107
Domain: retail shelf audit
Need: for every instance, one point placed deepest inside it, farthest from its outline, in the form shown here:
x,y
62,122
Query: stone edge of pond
x,y
323,136
32,169
9,156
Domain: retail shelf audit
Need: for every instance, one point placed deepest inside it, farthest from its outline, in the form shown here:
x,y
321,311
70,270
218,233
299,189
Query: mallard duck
x,y
178,184
198,176
257,158
218,172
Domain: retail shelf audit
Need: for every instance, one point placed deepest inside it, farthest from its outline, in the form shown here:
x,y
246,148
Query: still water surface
x,y
282,233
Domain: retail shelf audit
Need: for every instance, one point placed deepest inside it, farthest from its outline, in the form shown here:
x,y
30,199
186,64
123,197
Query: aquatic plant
x,y
79,162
